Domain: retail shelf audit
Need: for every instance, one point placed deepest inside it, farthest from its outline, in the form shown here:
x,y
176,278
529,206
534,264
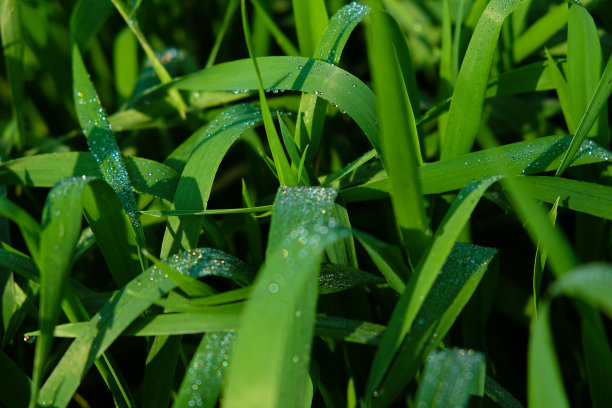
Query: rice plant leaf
x,y
540,261
202,383
540,32
197,177
280,313
101,141
595,107
455,285
399,138
112,230
61,227
420,283
451,376
468,97
310,22
121,310
293,74
597,358
88,17
544,383
522,158
46,170
12,45
591,283
388,260
14,383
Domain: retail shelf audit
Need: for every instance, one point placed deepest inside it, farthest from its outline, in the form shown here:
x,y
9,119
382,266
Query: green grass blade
x,y
523,158
422,280
544,382
29,228
387,258
293,74
281,39
336,278
540,261
597,358
125,63
283,169
117,314
400,143
562,89
193,191
171,213
500,395
113,231
310,22
14,383
101,141
204,378
12,44
596,106
538,33
227,19
270,361
88,17
61,227
451,377
46,170
468,98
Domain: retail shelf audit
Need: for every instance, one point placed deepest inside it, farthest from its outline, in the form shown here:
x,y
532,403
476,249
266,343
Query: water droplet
x,y
273,288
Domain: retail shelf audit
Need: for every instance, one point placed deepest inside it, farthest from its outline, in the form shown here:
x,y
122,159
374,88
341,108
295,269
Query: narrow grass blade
x,y
500,395
310,21
595,107
101,141
14,383
253,231
540,229
422,280
29,228
591,283
336,278
281,39
125,63
597,358
562,89
171,213
538,33
61,227
204,378
283,169
468,98
12,44
159,374
293,74
121,310
540,261
193,191
544,382
523,158
388,260
46,170
400,143
227,19
277,324
451,377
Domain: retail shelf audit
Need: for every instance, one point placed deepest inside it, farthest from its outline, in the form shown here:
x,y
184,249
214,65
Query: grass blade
x,y
544,382
400,142
597,358
280,310
450,377
591,283
540,261
540,32
468,98
14,383
310,21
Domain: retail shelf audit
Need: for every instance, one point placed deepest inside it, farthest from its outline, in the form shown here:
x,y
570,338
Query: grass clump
x,y
382,240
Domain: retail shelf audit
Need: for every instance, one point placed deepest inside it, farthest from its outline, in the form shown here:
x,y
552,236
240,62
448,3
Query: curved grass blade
x,y
46,170
197,177
293,74
29,228
204,378
119,312
87,18
270,362
500,395
422,280
102,143
248,210
522,158
227,19
591,283
310,22
544,382
12,44
540,32
468,97
336,278
597,358
400,141
595,107
282,40
540,261
459,278
61,227
450,377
